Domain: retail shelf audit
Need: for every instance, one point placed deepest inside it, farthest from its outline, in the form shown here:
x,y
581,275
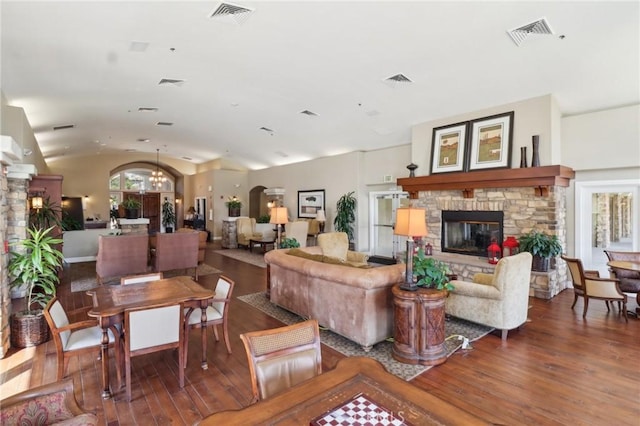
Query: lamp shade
x,y
279,215
410,222
320,216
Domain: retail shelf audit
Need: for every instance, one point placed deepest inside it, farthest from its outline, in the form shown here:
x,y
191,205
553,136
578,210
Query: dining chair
x,y
143,278
589,285
77,338
153,329
217,313
282,357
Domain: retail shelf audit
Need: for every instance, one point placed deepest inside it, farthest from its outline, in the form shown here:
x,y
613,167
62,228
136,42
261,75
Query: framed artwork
x,y
490,142
448,148
309,202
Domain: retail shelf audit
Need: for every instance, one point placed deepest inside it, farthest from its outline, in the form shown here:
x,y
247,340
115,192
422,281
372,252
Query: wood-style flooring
x,y
559,369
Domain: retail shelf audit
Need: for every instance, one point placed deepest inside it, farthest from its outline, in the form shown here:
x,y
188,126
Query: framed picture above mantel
x,y
448,148
309,202
490,142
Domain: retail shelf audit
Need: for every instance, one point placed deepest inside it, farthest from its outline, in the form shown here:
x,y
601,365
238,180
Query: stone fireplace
x,y
470,232
528,198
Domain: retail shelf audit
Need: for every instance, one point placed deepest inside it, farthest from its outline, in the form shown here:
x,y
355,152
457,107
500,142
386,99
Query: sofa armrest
x,y
483,278
467,288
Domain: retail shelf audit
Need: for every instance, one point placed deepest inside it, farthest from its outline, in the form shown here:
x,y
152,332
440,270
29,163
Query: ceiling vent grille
x,y
172,81
164,123
66,126
266,129
309,113
227,12
147,109
539,27
397,80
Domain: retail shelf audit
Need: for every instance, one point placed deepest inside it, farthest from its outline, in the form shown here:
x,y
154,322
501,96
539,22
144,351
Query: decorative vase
x,y
523,157
535,158
412,169
132,213
234,211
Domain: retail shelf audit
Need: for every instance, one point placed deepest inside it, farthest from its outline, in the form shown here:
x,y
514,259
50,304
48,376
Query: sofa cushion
x,y
327,259
306,255
334,244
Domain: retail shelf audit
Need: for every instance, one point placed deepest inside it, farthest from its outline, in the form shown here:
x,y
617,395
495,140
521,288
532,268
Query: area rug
x,y
381,352
87,283
254,258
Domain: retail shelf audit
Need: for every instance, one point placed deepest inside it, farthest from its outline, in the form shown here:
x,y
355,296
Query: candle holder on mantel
x,y
412,169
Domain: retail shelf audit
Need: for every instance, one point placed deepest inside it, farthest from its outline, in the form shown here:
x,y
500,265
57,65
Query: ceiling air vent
x,y
147,109
172,81
266,129
187,158
66,126
227,12
164,123
399,78
520,34
309,113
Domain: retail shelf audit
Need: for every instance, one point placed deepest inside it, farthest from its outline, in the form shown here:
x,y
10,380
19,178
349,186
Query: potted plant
x,y
234,205
542,246
168,215
345,214
289,243
34,267
49,215
430,272
263,218
131,207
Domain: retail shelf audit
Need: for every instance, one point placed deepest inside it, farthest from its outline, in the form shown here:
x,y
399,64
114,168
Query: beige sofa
x,y
347,297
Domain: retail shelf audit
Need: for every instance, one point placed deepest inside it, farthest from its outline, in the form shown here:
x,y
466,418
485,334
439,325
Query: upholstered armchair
x,y
120,255
297,230
202,242
247,231
336,244
178,250
499,300
629,280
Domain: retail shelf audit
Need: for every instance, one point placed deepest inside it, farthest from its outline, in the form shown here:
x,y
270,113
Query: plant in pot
x,y
263,218
168,215
430,272
35,267
542,246
131,207
234,205
289,243
345,214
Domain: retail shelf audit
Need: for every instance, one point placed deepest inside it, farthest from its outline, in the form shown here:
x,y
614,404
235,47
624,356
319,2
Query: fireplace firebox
x,y
470,232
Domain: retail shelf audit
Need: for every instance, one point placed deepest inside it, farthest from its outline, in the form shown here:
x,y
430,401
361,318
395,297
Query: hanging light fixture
x,y
157,179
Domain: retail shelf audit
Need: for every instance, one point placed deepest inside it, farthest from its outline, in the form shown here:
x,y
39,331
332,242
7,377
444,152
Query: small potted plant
x,y
542,246
289,243
34,268
346,215
234,205
430,272
168,216
131,207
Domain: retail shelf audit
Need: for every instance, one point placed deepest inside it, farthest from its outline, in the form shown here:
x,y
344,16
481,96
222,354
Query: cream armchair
x,y
297,230
247,231
499,300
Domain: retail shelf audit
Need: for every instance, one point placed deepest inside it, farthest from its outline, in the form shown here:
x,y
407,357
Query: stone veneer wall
x,y
523,211
13,227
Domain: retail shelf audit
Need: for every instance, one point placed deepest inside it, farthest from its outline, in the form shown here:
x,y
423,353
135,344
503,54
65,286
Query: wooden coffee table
x,y
262,243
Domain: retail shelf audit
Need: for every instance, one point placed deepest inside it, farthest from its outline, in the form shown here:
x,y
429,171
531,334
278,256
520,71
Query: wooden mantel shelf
x,y
540,178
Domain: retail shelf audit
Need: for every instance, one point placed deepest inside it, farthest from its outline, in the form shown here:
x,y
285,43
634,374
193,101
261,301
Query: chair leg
x,y
226,336
186,344
127,367
215,332
624,310
606,302
575,299
62,365
586,306
504,335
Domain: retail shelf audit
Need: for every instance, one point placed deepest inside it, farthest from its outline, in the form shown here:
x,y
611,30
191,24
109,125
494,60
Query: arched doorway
x,y
258,202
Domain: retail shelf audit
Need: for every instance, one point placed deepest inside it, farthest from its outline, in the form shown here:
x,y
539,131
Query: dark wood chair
x,y
282,357
217,314
589,285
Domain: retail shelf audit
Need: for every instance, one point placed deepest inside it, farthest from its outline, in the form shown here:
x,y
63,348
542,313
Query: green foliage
x,y
69,223
131,203
168,214
233,203
265,218
47,216
345,214
540,244
431,273
289,243
36,266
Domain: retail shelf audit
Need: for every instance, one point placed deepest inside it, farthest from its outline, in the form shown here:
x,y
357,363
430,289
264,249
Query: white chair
x,y
153,329
76,338
298,230
216,314
144,278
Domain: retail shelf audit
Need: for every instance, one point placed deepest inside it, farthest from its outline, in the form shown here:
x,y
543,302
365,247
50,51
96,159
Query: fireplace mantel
x,y
540,178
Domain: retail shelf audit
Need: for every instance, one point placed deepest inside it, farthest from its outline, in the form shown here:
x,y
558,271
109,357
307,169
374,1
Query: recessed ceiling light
x,y
164,123
138,46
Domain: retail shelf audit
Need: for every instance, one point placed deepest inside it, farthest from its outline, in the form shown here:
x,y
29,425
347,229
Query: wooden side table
x,y
419,326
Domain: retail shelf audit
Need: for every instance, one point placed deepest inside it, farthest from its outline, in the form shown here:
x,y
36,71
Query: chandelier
x,y
157,179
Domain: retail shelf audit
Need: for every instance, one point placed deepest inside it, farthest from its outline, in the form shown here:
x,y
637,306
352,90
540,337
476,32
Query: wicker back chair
x,y
282,357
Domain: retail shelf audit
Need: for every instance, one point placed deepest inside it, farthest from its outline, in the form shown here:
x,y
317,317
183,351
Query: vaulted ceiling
x,y
282,82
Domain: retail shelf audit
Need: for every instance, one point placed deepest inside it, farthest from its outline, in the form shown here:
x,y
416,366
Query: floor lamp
x,y
279,217
410,223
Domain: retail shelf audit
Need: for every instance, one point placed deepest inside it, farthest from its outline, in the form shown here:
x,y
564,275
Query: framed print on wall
x,y
491,142
448,147
309,202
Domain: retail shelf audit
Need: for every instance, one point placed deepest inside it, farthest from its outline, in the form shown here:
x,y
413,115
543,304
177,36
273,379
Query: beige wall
x,y
14,123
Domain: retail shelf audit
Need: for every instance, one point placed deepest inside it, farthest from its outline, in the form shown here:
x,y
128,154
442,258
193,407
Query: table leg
x,y
106,389
203,333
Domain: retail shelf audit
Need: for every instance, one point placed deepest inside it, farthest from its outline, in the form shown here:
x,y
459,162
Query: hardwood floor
x,y
558,369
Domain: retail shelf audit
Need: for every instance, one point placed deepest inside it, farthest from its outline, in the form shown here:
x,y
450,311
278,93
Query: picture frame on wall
x,y
448,148
309,202
490,142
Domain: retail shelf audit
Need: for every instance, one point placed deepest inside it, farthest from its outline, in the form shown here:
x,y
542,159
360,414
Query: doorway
x,y
150,208
607,217
382,218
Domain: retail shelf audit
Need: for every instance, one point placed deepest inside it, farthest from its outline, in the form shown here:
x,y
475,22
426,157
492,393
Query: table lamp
x,y
410,223
321,218
279,217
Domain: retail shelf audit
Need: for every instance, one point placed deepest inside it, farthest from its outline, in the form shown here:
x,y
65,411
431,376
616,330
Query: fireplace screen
x,y
470,232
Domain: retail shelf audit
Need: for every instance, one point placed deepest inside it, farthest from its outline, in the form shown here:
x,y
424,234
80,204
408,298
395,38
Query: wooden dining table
x,y
355,383
628,266
111,301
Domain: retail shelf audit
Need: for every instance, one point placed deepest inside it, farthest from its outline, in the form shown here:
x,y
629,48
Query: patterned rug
x,y
256,258
88,282
381,352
